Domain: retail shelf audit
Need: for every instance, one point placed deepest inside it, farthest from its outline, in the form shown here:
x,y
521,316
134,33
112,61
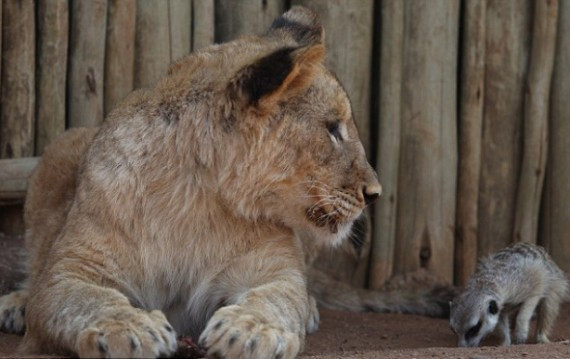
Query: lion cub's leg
x,y
12,311
75,315
269,313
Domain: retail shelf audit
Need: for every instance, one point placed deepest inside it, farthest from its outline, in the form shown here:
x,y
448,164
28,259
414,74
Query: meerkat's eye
x,y
473,331
493,307
334,130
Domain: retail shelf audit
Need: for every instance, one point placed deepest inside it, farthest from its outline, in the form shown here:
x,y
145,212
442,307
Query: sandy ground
x,y
370,335
353,335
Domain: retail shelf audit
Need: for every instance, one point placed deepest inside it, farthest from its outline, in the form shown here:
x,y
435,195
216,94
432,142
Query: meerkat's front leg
x,y
523,320
266,320
504,328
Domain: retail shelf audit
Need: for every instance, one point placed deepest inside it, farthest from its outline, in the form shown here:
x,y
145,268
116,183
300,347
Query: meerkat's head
x,y
473,316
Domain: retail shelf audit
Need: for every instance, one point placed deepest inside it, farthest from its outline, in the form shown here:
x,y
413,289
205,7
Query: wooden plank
x,y
0,49
245,17
556,216
152,44
428,157
537,101
14,176
507,46
348,27
86,63
470,129
180,22
388,156
119,52
203,25
18,86
53,32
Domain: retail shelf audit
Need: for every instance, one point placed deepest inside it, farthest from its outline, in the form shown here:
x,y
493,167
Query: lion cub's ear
x,y
277,76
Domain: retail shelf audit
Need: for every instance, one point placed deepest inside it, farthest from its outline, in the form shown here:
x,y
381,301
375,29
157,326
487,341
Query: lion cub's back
x,y
51,190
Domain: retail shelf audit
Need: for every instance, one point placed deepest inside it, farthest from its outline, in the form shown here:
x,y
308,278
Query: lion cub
x,y
519,278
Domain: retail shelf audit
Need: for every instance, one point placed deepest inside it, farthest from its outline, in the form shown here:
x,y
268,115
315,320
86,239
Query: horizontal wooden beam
x,y
14,175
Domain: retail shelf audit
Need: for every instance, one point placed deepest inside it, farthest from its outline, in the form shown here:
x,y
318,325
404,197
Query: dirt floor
x,y
352,335
370,335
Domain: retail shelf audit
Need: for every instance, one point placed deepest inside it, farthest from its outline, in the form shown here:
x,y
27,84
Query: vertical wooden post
x,y
203,25
348,35
506,57
86,62
0,53
470,130
556,216
391,42
152,46
245,17
17,97
428,158
119,52
537,101
18,80
53,33
180,22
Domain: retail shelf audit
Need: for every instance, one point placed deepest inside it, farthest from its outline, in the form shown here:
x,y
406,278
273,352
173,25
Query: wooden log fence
x,y
461,106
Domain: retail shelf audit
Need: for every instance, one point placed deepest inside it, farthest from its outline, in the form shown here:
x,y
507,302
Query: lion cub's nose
x,y
371,193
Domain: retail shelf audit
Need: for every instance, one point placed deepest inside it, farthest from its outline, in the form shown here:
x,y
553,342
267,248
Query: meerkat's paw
x,y
12,312
233,332
542,339
134,333
314,317
520,336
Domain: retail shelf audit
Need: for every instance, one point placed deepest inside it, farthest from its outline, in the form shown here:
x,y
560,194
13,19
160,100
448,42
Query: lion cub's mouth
x,y
321,218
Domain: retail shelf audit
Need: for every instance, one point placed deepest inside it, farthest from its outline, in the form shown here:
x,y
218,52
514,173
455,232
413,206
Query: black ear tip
x,y
493,307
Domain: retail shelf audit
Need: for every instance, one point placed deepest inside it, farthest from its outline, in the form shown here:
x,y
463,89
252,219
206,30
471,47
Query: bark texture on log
x,y
86,63
537,101
18,79
119,52
203,25
245,17
556,214
348,36
152,49
470,130
51,71
428,157
388,156
506,58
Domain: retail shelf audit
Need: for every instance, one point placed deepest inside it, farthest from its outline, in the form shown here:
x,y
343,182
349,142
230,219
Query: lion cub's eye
x,y
334,130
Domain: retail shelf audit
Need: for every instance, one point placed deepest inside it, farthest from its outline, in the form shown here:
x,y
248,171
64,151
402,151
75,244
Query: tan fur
x,y
185,210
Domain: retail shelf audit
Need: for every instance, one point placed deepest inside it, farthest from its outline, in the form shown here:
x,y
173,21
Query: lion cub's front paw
x,y
234,333
132,334
12,310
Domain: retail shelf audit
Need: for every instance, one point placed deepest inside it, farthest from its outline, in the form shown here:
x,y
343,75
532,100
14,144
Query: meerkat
x,y
515,280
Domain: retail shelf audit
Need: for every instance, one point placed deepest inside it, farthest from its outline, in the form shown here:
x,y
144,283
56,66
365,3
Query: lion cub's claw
x,y
234,333
12,312
137,335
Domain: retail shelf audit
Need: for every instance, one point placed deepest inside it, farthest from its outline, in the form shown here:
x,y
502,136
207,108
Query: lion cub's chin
x,y
325,236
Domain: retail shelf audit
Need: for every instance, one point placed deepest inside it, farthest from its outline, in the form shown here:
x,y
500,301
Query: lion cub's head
x,y
282,132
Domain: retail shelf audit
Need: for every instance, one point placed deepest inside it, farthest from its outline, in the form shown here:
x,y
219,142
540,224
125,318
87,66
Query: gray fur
x,y
519,279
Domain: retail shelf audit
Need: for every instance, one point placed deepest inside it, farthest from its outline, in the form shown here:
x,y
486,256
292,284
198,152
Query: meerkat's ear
x,y
277,76
300,24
